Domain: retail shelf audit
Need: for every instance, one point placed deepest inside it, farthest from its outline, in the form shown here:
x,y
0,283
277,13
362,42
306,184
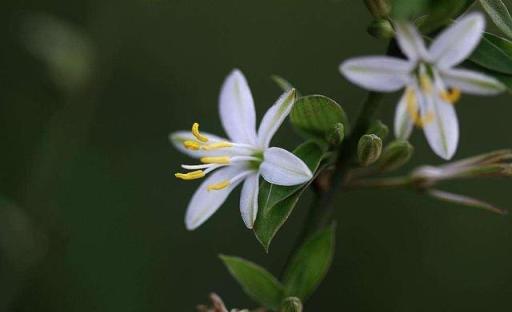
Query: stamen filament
x,y
197,134
194,175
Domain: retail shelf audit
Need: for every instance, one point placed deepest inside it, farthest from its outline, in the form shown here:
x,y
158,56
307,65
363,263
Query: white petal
x,y
249,200
377,73
237,109
274,117
410,41
281,167
403,119
457,42
204,203
472,82
177,139
442,131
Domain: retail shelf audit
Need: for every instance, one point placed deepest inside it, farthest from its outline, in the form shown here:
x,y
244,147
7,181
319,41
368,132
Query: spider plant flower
x,y
244,157
432,83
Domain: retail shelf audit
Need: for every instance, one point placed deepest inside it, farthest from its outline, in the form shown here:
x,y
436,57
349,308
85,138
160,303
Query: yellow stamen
x,y
197,134
194,175
452,96
425,120
412,110
412,104
425,83
192,145
215,146
221,160
219,186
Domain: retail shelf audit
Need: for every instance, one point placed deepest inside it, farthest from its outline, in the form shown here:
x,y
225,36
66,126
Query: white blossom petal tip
x,y
458,41
377,73
236,107
275,117
281,167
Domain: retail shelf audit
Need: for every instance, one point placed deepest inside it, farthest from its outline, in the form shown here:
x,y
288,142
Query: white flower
x,y
432,84
244,157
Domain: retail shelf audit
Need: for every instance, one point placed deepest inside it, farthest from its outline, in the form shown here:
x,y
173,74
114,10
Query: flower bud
x,y
381,29
379,129
337,134
379,8
369,149
395,155
291,304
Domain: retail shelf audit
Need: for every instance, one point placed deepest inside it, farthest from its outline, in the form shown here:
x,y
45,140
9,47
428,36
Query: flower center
x,y
238,154
429,85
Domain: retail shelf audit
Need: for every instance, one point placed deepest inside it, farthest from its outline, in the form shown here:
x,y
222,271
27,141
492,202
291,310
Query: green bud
x,y
291,304
337,134
379,8
395,155
379,129
369,149
381,29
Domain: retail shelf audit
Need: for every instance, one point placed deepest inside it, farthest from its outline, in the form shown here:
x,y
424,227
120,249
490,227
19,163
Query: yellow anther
x,y
219,186
452,96
412,104
426,84
221,160
194,175
425,120
192,145
215,146
197,134
412,110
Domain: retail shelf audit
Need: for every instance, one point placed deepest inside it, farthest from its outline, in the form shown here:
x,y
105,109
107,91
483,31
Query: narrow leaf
x,y
277,202
494,53
499,14
310,264
256,282
317,115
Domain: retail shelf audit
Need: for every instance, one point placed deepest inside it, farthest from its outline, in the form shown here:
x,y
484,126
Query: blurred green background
x,y
91,218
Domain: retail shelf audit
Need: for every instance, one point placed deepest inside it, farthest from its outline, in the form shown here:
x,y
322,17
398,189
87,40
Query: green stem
x,y
322,209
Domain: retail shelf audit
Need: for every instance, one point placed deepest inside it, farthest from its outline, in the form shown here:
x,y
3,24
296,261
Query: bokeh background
x,y
91,218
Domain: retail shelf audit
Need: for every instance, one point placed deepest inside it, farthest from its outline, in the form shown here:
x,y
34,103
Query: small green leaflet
x,y
277,202
310,264
256,282
499,14
494,53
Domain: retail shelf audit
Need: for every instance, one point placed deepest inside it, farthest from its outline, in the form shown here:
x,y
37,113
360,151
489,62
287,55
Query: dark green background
x,y
92,220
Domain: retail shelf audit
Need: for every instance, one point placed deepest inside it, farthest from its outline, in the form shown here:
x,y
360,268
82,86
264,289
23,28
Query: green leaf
x,y
499,14
506,79
494,53
317,115
256,282
404,9
441,12
276,202
310,264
